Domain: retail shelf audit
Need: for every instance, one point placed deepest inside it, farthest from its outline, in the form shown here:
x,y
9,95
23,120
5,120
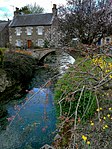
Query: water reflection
x,y
35,122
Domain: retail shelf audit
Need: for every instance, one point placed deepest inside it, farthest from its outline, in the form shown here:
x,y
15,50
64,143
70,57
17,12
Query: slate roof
x,y
3,24
32,20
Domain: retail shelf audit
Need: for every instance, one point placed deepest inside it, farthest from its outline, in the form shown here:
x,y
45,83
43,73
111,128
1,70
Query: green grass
x,y
109,59
70,83
3,49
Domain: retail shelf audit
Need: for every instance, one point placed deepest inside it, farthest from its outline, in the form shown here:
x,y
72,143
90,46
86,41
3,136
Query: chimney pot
x,y
16,12
54,10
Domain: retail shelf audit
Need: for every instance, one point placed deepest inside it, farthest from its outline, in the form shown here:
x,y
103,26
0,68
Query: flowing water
x,y
31,121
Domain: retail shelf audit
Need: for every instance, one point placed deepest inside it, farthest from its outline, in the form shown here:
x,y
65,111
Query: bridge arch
x,y
44,55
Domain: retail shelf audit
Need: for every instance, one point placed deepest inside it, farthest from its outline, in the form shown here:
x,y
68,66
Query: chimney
x,y
54,10
17,12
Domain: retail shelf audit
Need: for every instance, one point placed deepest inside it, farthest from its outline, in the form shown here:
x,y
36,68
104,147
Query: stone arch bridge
x,y
40,54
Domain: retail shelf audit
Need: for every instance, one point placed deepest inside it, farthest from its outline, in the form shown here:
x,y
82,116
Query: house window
x,y
107,40
18,43
29,30
18,31
40,42
40,30
10,39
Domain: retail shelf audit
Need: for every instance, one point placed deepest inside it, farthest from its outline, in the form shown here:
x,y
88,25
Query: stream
x,y
31,121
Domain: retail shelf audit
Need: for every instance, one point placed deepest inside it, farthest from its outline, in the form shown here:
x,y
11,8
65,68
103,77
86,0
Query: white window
x,y
29,30
40,42
18,31
40,30
18,43
10,38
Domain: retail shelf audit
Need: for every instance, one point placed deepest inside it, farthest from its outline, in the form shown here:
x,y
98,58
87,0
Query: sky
x,y
8,6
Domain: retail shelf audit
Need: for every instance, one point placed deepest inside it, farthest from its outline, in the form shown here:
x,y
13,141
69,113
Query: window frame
x,y
20,43
40,41
29,31
40,30
18,31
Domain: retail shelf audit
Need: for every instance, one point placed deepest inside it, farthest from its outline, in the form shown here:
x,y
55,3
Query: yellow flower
x,y
110,109
108,115
88,142
110,76
107,71
92,124
104,118
100,108
100,120
106,126
84,137
103,127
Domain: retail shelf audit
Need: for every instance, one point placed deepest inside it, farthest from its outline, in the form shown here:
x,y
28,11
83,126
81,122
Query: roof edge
x,y
30,25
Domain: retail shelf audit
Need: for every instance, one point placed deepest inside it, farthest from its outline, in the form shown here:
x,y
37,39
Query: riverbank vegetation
x,y
83,96
84,106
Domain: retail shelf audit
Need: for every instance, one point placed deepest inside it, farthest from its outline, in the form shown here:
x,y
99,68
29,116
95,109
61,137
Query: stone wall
x,y
34,37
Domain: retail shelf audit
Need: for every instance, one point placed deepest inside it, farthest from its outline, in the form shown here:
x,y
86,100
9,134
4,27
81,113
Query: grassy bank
x,y
84,105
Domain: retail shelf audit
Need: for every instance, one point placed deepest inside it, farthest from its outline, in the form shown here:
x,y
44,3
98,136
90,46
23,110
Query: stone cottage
x,y
4,33
28,30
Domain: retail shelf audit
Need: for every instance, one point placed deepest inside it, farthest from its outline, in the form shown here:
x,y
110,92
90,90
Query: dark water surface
x,y
31,121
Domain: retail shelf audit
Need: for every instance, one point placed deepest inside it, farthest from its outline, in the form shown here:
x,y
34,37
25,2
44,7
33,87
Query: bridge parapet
x,y
41,54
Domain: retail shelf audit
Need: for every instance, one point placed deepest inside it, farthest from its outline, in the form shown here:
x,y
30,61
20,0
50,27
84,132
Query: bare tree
x,y
6,15
87,20
53,36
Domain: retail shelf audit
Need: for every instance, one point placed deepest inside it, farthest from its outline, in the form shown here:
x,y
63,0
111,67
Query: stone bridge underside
x,y
40,54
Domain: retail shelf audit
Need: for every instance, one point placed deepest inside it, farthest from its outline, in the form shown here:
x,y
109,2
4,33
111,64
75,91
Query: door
x,y
29,42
